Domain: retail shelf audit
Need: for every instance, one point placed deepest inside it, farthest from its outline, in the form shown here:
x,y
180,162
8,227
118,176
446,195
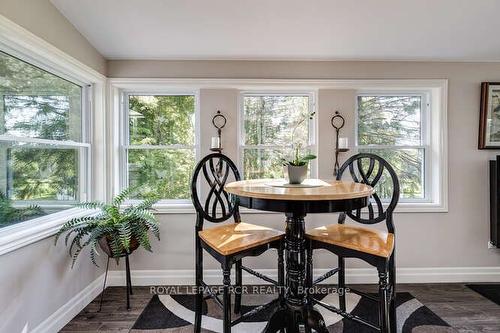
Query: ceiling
x,y
447,30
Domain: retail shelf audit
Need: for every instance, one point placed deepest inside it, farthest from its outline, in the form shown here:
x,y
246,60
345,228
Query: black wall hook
x,y
219,121
338,123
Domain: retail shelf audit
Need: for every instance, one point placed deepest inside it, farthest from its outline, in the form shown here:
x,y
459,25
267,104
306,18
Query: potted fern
x,y
117,232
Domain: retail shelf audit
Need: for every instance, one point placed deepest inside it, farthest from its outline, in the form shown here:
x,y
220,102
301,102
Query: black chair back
x,y
215,170
373,170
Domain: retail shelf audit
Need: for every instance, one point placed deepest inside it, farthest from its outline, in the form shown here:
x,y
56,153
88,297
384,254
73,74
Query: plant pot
x,y
105,242
297,174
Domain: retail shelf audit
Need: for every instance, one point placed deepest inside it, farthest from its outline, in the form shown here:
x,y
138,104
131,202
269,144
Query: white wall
x,y
36,281
452,240
44,20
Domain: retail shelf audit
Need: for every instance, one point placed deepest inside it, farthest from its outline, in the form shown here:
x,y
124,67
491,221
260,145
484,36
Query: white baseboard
x,y
353,276
71,308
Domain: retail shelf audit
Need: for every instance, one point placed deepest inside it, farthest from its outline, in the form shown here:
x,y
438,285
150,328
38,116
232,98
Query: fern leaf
x,y
120,198
144,205
125,235
91,205
71,224
116,247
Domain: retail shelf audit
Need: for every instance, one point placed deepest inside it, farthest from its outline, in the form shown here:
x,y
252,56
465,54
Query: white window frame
x,y
312,123
22,44
170,205
424,132
438,126
433,126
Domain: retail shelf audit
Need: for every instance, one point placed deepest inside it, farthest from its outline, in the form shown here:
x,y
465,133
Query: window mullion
x,y
44,142
393,147
266,147
146,147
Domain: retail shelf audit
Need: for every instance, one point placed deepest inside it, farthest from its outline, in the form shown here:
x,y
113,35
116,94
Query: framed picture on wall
x,y
489,119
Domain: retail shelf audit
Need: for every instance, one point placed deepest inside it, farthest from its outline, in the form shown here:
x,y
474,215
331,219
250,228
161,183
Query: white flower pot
x,y
297,174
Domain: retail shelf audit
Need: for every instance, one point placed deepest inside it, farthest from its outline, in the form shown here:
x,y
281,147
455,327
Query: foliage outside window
x,y
394,127
42,150
161,145
269,121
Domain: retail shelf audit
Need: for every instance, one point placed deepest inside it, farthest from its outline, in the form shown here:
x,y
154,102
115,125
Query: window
x,y
270,124
160,147
395,126
44,154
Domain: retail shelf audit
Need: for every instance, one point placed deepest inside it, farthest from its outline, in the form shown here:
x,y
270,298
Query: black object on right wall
x,y
494,201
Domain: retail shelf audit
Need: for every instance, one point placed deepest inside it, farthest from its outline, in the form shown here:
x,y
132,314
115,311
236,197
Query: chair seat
x,y
231,238
366,240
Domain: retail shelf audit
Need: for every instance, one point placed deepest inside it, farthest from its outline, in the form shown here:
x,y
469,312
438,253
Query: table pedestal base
x,y
297,314
295,319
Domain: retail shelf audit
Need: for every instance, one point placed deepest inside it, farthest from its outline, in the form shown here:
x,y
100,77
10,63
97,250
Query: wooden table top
x,y
331,190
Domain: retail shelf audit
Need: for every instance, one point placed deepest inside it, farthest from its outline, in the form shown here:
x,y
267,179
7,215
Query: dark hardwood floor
x,y
461,307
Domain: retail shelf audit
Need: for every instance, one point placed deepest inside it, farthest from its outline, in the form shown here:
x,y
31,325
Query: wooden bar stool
x,y
228,243
370,245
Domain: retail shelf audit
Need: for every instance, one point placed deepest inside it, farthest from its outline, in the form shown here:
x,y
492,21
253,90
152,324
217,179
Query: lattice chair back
x,y
375,171
211,174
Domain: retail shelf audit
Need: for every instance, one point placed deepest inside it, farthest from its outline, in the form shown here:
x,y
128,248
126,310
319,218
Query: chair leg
x,y
341,284
199,290
392,284
128,280
104,285
226,272
383,311
238,291
199,287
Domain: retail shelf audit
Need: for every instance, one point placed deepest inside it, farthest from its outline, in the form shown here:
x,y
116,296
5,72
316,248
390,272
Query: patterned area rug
x,y
174,313
490,291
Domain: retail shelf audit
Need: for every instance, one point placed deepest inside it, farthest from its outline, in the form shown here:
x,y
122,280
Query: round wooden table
x,y
296,203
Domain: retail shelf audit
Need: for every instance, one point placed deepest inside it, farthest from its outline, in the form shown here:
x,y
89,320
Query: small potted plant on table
x,y
297,165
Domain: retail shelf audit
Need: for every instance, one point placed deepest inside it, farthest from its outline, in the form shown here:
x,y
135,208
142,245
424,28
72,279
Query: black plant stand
x,y
127,279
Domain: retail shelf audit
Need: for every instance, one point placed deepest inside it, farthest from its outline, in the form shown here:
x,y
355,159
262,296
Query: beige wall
x,y
44,20
36,281
454,239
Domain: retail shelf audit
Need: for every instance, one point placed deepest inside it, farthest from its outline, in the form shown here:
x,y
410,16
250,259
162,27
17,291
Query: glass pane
x,y
409,166
262,163
276,120
162,120
37,104
164,173
389,120
35,181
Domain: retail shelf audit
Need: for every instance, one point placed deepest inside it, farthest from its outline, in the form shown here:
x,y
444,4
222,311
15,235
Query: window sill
x,y
188,208
421,207
174,208
406,207
28,232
